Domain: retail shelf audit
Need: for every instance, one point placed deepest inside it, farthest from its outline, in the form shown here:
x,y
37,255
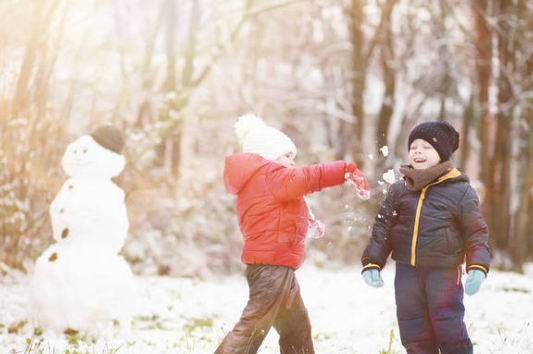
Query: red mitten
x,y
355,177
350,167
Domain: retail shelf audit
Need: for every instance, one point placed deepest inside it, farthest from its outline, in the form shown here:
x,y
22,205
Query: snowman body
x,y
90,212
80,282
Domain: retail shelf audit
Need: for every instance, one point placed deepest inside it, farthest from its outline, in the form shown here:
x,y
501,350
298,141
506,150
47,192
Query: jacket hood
x,y
240,168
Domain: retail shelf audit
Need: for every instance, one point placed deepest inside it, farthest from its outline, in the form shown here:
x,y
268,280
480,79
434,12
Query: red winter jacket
x,y
270,206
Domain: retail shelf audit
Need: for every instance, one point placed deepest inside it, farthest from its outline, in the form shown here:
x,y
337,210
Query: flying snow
x,y
389,176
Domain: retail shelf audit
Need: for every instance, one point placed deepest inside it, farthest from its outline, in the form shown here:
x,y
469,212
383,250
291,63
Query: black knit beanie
x,y
441,135
109,137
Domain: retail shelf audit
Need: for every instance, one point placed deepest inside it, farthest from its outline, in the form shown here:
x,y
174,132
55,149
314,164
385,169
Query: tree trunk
x,y
483,44
21,93
464,150
170,43
188,68
145,109
387,58
522,235
501,168
351,133
484,72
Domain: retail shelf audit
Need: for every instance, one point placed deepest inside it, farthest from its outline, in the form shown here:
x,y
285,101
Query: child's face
x,y
286,160
422,155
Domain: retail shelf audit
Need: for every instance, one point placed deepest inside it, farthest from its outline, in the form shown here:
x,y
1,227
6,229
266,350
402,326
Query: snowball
x,y
389,176
385,150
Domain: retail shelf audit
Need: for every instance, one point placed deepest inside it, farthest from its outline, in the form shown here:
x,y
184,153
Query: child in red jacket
x,y
273,218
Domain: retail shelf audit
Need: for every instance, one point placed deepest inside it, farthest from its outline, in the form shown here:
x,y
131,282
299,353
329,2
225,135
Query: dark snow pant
x,y
430,310
274,300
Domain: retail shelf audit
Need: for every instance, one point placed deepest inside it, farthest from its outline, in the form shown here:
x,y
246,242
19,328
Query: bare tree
x,y
387,62
28,127
506,25
521,236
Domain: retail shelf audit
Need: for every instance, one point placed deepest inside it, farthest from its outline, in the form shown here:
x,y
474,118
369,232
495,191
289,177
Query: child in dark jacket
x,y
431,222
273,218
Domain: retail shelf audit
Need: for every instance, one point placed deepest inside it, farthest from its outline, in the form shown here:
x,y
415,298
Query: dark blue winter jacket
x,y
434,227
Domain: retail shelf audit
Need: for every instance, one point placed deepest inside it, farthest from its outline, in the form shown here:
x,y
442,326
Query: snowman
x,y
80,283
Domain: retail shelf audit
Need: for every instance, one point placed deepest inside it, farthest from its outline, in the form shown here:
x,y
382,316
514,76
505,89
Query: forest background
x,y
343,78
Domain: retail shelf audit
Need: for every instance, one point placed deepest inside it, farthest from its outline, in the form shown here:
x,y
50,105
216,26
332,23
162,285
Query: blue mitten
x,y
473,281
373,278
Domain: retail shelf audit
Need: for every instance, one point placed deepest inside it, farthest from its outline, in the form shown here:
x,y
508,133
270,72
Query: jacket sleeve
x,y
379,247
474,232
293,183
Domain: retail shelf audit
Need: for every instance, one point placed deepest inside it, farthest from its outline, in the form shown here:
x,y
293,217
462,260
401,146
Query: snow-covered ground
x,y
176,315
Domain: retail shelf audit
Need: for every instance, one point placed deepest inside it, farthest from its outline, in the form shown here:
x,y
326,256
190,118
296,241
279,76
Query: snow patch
x,y
182,315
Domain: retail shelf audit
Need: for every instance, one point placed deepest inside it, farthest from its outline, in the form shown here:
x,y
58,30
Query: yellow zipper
x,y
452,174
417,222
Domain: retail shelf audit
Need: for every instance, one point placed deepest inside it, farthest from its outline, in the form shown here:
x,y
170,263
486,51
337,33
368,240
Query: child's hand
x,y
355,177
373,278
473,281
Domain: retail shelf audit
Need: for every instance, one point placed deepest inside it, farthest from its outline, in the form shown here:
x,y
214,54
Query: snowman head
x,y
96,155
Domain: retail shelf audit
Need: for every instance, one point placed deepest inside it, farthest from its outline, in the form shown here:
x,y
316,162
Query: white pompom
x,y
247,123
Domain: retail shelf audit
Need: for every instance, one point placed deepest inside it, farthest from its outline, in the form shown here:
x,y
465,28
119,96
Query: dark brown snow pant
x,y
274,300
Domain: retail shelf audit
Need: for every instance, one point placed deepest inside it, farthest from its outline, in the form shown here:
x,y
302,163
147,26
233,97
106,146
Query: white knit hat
x,y
256,136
